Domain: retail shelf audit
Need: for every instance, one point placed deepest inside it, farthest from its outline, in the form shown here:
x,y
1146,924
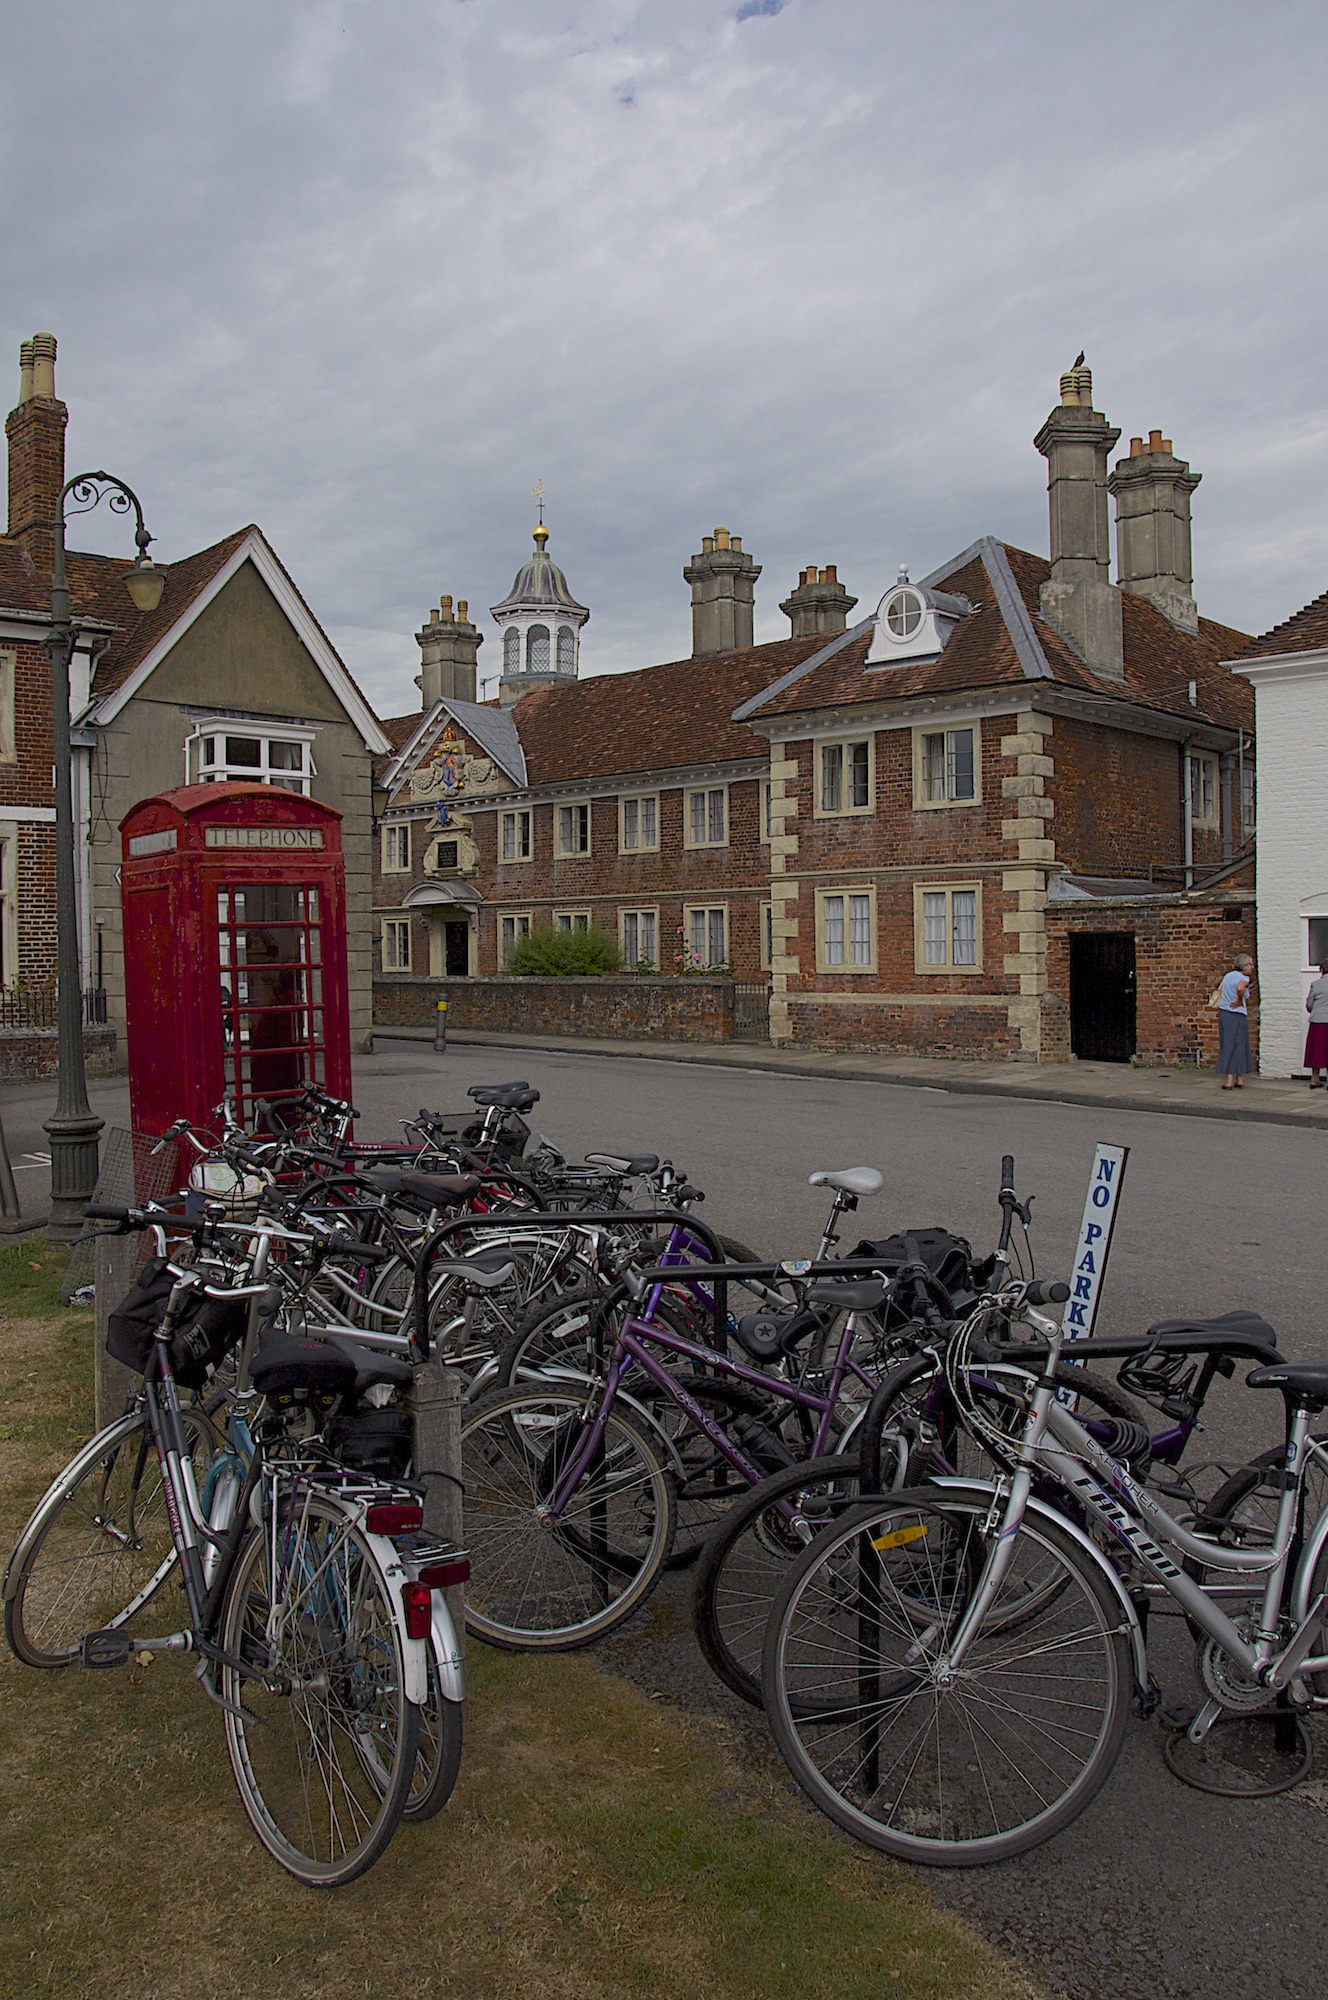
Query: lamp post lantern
x,y
74,1127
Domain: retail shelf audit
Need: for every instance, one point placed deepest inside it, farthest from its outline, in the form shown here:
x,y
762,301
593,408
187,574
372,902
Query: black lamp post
x,y
74,1128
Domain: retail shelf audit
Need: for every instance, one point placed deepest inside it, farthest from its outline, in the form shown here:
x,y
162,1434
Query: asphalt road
x,y
1156,1892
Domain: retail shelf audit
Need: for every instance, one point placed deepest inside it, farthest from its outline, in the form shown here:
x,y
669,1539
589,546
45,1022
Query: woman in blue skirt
x,y
1233,1024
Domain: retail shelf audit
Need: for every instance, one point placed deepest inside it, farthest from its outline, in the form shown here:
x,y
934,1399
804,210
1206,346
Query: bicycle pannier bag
x,y
207,1330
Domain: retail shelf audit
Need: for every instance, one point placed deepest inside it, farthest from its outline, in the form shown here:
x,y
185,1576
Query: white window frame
x,y
921,890
949,803
396,931
396,847
573,806
514,818
265,734
847,966
844,745
638,911
639,800
767,920
8,734
571,920
518,924
1248,784
1204,779
692,910
709,794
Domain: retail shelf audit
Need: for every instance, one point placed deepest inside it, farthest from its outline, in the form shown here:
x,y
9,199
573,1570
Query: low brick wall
x,y
1181,951
630,1010
30,1055
978,1033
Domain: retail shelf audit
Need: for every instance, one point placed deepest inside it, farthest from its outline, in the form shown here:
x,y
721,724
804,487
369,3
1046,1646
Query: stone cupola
x,y
449,645
35,428
1079,599
819,605
723,579
1152,489
540,622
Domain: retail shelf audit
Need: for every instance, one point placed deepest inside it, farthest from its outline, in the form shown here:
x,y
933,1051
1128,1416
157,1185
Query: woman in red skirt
x,y
1316,1041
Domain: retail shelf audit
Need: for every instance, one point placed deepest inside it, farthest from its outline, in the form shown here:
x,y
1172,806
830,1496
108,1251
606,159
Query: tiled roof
x,y
1160,661
1305,632
660,718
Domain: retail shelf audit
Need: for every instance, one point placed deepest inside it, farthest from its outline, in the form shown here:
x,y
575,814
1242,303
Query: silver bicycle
x,y
949,1670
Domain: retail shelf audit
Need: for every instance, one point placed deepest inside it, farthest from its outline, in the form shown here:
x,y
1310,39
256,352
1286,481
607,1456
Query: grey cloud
x,y
363,274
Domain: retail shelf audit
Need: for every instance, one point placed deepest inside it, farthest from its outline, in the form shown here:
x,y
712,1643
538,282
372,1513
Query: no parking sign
x,y
1095,1232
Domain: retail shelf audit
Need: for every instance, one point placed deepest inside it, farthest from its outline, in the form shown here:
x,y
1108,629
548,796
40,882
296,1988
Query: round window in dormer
x,y
903,614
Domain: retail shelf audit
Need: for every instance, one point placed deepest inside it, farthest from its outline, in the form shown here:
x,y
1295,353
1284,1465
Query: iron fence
x,y
751,1010
35,1007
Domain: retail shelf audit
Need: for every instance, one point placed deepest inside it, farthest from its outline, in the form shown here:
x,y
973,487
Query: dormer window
x,y
903,613
913,622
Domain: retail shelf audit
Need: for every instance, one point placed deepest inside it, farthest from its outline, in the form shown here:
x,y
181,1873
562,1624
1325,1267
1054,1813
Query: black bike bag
x,y
205,1333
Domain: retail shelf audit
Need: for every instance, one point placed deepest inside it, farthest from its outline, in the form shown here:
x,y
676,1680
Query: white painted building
x,y
1289,670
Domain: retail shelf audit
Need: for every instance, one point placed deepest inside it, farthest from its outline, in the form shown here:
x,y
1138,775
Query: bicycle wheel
x,y
540,1584
746,1559
949,1770
438,1760
98,1545
324,1766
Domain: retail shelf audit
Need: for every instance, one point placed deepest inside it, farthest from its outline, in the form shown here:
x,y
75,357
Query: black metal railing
x,y
35,1007
751,1011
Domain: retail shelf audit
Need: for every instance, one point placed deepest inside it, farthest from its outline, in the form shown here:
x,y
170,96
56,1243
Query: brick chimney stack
x,y
35,429
1079,599
820,604
723,579
449,646
1152,489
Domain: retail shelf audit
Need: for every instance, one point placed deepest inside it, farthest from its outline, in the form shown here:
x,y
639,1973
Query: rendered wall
x,y
1292,724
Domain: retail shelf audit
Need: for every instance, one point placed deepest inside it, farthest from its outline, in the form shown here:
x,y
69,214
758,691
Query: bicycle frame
x,y
1055,1443
632,1347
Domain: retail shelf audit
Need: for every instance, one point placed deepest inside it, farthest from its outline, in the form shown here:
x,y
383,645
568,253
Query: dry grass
x,y
599,1846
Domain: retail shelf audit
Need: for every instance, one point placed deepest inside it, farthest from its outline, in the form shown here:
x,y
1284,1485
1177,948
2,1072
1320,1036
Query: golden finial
x,y
537,495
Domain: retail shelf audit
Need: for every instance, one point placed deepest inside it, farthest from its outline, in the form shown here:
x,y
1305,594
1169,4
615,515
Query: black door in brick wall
x,y
456,950
1102,995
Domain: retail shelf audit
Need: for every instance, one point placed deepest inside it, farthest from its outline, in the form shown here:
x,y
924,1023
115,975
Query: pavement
x,y
1110,1086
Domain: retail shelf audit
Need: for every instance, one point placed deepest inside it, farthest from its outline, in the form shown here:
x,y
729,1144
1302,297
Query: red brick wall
x,y
934,1029
1181,951
29,1055
36,434
667,1010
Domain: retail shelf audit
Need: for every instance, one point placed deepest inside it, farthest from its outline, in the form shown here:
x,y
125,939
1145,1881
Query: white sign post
x,y
1095,1231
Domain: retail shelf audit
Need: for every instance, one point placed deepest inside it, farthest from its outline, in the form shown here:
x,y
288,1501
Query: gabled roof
x,y
492,729
1006,642
141,640
1305,632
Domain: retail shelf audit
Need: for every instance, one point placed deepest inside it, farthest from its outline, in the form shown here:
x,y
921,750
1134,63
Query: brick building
x,y
913,826
231,677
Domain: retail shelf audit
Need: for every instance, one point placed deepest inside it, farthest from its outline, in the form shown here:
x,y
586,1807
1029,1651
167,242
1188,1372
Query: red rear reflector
x,y
419,1617
395,1517
442,1576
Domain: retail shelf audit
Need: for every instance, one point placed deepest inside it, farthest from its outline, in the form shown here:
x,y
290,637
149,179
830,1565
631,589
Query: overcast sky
x,y
362,271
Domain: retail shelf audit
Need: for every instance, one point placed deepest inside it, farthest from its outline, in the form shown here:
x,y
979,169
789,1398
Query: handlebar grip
x,y
368,1253
104,1211
1007,1173
1047,1292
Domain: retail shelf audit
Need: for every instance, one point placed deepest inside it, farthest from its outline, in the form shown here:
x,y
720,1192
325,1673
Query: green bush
x,y
552,954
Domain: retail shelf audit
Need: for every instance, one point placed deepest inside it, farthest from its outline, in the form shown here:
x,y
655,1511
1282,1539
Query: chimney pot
x,y
43,366
25,372
1155,441
830,574
819,605
444,607
462,612
735,543
1136,447
721,538
707,545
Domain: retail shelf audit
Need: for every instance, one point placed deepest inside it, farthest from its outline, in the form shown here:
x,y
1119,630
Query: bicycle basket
x,y
219,1181
206,1332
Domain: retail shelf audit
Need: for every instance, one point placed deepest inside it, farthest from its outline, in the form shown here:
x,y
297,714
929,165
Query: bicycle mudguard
x,y
64,1479
414,1652
977,1488
449,1662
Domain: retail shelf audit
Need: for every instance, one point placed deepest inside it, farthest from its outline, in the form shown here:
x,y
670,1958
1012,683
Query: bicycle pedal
x,y
1175,1720
105,1649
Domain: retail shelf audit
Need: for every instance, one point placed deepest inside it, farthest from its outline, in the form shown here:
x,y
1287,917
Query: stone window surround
x,y
690,910
516,814
521,923
846,889
947,725
396,847
949,890
842,743
639,910
8,736
695,791
1208,767
396,933
638,799
573,806
571,920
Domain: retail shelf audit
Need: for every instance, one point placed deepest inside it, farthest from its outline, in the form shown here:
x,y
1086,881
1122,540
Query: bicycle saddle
x,y
847,1180
1301,1381
1243,1334
864,1295
518,1096
429,1187
370,1367
285,1365
624,1163
486,1269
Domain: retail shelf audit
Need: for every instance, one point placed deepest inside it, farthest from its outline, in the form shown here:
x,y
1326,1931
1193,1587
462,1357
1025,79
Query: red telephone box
x,y
234,902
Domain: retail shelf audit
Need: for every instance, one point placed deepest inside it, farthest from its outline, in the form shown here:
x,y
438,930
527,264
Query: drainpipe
x,y
1187,809
1227,764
